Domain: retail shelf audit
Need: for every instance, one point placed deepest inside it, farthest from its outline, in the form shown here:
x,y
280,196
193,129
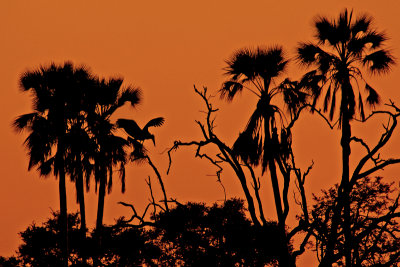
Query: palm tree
x,y
54,90
343,47
79,165
79,145
256,70
107,97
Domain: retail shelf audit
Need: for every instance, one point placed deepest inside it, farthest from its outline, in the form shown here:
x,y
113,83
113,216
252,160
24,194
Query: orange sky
x,y
164,47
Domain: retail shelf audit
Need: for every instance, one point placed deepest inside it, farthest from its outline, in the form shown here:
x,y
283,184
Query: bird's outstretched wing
x,y
130,127
156,122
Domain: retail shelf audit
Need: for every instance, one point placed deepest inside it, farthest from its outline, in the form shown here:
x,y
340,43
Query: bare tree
x,y
246,175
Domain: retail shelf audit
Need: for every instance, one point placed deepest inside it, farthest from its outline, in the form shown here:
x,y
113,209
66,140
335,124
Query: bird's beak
x,y
154,140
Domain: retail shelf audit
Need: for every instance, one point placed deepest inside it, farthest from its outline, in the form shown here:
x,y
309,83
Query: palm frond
x,y
131,95
241,63
351,101
269,62
307,53
293,95
46,167
285,143
373,96
230,89
110,179
374,38
325,30
122,177
30,80
379,61
356,46
248,148
361,106
327,98
24,121
333,105
254,123
361,25
313,83
343,27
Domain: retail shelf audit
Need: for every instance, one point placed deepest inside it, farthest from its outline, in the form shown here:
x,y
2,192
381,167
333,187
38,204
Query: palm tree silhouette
x,y
256,70
135,132
342,48
78,163
107,97
55,89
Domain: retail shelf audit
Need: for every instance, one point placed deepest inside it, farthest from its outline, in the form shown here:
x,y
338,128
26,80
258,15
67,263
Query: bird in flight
x,y
135,132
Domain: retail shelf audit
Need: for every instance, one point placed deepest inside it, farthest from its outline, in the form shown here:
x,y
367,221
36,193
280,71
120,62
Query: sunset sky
x,y
166,47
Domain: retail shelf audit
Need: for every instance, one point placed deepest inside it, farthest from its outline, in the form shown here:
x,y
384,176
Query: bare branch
x,y
313,109
391,125
160,181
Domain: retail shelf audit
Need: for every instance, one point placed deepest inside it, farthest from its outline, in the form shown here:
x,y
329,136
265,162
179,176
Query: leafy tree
x,y
123,246
343,47
42,244
374,223
194,234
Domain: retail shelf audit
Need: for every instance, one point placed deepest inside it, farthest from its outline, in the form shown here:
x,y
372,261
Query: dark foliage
x,y
374,223
191,234
197,235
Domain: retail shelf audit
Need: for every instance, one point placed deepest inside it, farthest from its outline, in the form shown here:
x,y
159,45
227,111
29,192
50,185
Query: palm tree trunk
x,y
345,143
63,221
81,200
81,197
60,162
285,258
270,162
100,204
343,198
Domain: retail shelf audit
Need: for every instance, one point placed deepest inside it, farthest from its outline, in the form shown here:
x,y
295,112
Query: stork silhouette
x,y
135,132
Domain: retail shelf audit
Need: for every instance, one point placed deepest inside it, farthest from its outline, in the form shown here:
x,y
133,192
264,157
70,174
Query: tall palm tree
x,y
256,70
80,149
342,49
54,89
108,96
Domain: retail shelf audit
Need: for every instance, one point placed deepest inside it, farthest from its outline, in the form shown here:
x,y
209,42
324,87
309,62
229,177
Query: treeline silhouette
x,y
354,223
190,234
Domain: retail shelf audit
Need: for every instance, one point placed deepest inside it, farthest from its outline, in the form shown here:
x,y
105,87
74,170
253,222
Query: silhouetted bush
x,y
191,234
221,235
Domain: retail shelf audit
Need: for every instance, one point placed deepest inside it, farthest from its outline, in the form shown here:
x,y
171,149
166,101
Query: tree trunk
x,y
99,219
100,204
344,190
81,200
345,143
285,258
269,161
63,220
